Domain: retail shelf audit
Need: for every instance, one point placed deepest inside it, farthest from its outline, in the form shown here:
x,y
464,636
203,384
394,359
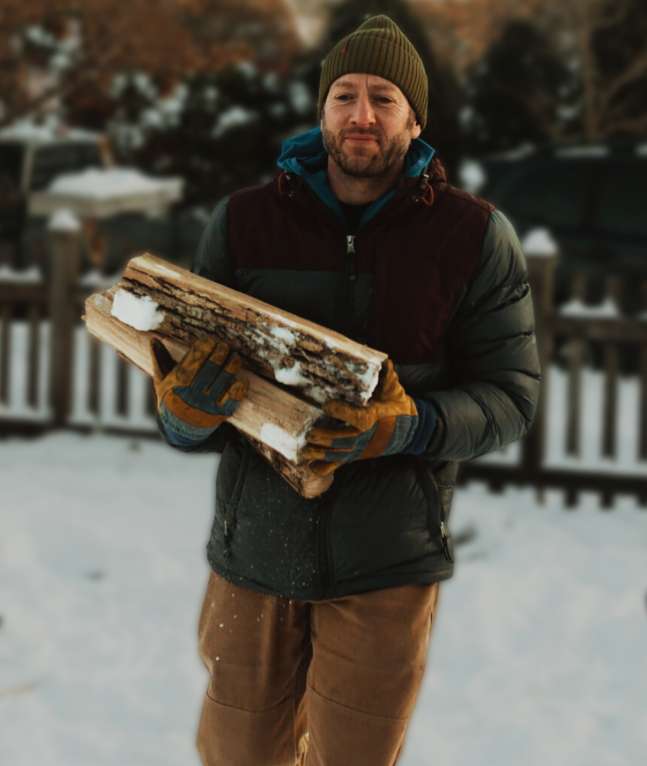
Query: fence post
x,y
65,257
541,258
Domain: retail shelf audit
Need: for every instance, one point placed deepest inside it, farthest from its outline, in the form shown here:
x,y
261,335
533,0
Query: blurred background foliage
x,y
208,89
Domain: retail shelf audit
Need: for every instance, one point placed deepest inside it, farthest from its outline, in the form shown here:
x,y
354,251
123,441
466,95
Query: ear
x,y
416,130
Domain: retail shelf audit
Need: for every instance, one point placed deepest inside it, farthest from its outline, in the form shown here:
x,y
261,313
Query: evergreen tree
x,y
221,131
519,92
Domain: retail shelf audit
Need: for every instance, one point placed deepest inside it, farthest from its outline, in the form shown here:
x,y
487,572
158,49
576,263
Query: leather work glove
x,y
197,394
392,423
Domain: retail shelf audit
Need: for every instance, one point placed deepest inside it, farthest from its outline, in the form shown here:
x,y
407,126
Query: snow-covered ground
x,y
538,653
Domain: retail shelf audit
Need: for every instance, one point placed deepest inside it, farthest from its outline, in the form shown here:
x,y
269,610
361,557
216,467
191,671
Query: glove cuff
x,y
179,433
427,419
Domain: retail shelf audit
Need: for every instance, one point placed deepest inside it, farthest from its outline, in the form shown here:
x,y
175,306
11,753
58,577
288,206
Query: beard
x,y
367,163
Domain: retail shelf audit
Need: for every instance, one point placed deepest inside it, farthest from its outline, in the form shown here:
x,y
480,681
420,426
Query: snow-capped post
x,y
541,255
65,260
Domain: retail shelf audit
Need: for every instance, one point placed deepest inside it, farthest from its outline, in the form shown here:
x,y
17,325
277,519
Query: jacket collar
x,y
304,155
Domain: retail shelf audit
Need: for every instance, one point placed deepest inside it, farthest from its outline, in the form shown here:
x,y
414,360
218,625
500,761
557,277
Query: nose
x,y
363,114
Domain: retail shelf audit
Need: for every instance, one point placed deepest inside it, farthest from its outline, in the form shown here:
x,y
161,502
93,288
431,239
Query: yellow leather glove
x,y
392,423
196,395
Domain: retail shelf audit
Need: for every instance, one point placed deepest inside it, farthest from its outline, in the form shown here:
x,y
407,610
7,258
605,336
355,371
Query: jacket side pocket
x,y
438,497
230,505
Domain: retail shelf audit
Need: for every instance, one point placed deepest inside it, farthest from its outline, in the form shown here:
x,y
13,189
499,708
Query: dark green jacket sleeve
x,y
493,355
211,261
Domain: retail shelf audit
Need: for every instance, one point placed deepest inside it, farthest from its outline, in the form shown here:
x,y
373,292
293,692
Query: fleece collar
x,y
305,156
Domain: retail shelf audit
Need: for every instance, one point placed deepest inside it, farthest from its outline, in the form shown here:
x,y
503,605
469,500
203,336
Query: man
x,y
317,616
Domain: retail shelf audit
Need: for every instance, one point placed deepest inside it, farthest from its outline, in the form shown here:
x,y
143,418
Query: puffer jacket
x,y
435,278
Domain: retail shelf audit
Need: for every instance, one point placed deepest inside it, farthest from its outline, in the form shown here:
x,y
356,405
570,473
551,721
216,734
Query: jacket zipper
x,y
350,252
325,556
351,274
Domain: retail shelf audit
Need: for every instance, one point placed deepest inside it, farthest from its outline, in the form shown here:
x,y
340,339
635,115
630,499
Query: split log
x,y
275,344
275,421
321,363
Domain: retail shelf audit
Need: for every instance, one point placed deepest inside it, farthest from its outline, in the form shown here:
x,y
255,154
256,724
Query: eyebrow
x,y
349,84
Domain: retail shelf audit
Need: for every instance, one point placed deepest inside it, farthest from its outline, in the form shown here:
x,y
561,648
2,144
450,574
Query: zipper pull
x,y
350,252
444,535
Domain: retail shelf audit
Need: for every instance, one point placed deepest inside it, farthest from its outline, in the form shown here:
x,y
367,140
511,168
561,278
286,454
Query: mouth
x,y
360,139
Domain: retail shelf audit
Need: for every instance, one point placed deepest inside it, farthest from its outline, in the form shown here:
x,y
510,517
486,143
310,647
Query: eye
x,y
343,97
384,100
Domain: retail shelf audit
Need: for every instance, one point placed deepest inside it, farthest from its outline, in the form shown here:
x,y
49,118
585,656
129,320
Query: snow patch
x,y
112,182
280,440
300,97
472,176
64,220
31,275
282,333
94,279
539,242
291,376
234,117
139,312
51,131
575,308
583,151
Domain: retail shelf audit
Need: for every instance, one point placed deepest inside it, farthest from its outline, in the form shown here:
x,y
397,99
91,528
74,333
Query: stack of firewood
x,y
292,365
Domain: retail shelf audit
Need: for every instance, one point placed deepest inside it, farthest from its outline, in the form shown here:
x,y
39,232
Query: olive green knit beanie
x,y
378,46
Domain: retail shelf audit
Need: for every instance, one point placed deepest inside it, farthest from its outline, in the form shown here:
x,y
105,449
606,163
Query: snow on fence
x,y
590,433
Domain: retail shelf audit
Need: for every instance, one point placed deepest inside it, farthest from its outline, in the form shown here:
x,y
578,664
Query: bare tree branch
x,y
635,71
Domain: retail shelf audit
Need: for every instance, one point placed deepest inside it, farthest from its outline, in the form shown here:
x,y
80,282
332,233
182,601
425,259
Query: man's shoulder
x,y
254,194
460,198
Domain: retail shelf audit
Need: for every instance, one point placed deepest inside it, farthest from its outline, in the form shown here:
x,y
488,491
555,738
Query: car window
x,y
11,160
57,159
554,194
622,209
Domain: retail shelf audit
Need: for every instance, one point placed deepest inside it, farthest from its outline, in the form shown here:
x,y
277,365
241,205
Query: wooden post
x,y
541,271
65,255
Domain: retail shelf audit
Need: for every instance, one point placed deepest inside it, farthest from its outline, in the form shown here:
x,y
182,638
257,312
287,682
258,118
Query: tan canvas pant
x,y
325,683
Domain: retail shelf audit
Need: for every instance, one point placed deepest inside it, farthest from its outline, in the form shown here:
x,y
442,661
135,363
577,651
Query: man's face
x,y
367,125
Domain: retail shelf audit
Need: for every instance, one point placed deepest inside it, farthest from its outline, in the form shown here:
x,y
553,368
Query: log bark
x,y
276,346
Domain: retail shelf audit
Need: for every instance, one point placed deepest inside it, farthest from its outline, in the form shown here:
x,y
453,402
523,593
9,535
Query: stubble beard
x,y
374,165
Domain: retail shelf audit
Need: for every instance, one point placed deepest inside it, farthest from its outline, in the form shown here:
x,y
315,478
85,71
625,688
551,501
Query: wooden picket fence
x,y
612,338
59,305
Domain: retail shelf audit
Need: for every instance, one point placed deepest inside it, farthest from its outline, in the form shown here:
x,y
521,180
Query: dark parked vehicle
x,y
593,201
29,160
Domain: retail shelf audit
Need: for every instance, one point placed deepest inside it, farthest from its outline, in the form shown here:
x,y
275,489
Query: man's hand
x,y
196,395
388,425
